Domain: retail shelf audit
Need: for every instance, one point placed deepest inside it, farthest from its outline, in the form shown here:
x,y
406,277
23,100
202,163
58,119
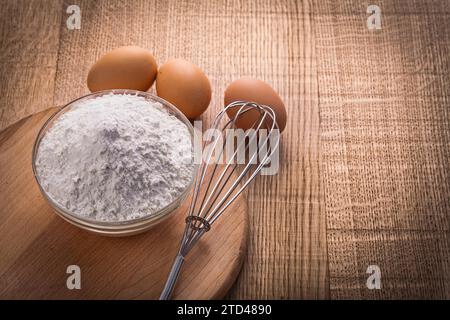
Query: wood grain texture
x,y
267,40
384,99
365,154
29,38
37,246
287,251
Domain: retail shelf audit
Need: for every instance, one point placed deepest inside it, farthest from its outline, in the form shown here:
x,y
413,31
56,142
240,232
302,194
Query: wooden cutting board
x,y
37,246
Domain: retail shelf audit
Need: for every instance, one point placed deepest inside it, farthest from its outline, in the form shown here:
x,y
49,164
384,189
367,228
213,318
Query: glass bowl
x,y
114,228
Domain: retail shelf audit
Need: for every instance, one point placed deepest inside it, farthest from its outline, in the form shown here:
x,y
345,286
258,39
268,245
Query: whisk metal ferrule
x,y
214,192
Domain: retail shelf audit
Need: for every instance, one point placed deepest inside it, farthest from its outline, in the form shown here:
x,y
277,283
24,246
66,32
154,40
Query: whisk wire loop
x,y
216,189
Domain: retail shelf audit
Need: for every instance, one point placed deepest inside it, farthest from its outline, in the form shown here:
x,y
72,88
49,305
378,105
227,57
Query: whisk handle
x,y
172,278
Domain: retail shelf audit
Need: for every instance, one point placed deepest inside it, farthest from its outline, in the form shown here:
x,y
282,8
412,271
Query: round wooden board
x,y
37,246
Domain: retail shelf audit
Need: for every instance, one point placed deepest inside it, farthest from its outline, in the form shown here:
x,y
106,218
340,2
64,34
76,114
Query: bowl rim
x,y
94,224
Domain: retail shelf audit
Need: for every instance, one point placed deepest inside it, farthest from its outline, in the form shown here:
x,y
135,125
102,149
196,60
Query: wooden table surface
x,y
364,177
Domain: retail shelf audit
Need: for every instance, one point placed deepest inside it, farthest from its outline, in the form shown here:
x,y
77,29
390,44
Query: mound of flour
x,y
114,158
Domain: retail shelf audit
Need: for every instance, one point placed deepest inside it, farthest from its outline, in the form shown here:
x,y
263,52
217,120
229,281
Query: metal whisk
x,y
220,191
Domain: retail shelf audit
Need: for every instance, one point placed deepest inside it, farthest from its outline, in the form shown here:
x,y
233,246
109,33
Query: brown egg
x,y
128,67
253,90
184,85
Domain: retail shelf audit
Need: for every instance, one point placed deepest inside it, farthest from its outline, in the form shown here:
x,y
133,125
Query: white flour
x,y
115,158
